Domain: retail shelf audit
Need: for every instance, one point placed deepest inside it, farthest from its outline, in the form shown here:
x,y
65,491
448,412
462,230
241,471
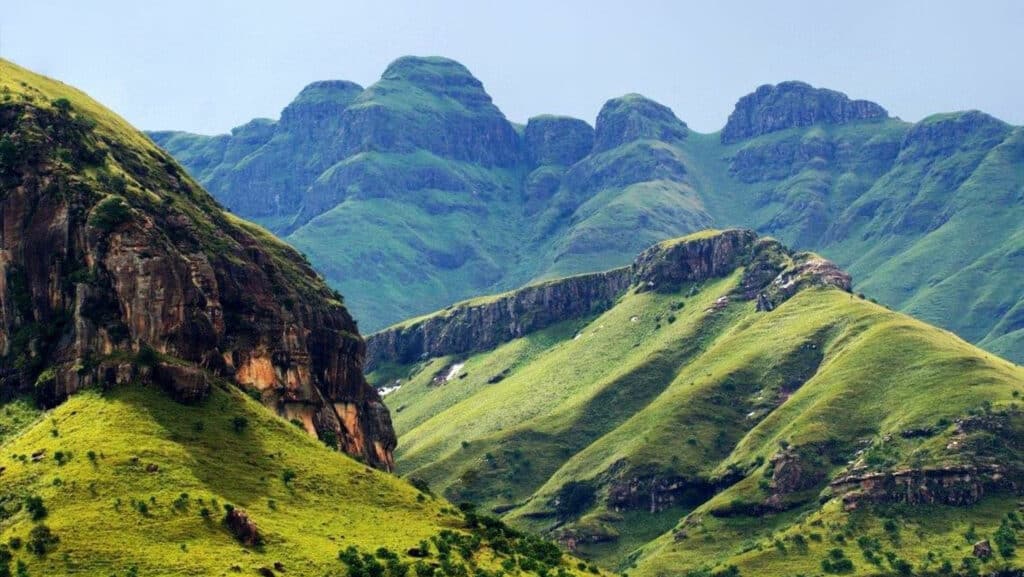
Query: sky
x,y
206,66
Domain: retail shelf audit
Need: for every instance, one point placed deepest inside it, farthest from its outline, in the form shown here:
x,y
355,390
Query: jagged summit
x,y
634,117
791,104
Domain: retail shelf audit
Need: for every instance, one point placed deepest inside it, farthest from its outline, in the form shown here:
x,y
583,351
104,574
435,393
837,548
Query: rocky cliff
x,y
792,104
116,268
773,274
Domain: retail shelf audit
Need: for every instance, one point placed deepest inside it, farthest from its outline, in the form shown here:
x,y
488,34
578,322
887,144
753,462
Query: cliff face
x,y
792,104
472,327
773,274
116,268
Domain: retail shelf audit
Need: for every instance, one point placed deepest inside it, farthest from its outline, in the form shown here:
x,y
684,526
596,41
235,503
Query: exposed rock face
x,y
655,493
634,117
557,140
792,104
952,485
773,272
666,266
112,277
243,528
472,327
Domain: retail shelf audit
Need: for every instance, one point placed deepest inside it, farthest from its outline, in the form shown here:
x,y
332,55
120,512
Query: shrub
x,y
1006,540
35,507
239,424
573,499
288,475
41,540
421,485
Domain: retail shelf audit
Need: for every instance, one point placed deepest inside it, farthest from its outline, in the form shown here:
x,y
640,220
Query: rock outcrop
x,y
773,275
792,104
635,117
115,267
950,485
471,326
557,140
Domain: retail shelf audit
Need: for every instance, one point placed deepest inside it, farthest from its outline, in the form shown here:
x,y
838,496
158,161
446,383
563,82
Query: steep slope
x,y
116,267
734,395
162,330
459,202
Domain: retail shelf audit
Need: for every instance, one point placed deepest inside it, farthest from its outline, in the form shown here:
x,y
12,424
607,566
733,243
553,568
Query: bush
x,y
41,540
109,213
35,507
421,485
574,498
239,424
288,475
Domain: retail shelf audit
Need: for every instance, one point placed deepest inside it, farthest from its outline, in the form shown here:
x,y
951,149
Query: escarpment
x,y
116,268
773,274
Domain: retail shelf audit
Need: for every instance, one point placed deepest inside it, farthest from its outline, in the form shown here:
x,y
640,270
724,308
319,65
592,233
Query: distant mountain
x,y
722,406
416,192
176,385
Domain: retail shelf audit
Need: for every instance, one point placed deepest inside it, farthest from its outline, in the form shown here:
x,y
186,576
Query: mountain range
x,y
416,192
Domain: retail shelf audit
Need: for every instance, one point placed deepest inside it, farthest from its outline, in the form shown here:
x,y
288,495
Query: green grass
x,y
133,446
629,397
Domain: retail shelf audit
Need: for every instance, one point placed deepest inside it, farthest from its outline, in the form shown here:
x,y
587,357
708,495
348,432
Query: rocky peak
x,y
116,268
792,104
943,134
557,140
441,76
634,117
318,100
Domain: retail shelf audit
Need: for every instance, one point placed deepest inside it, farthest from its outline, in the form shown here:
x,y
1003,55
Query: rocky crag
x,y
774,274
116,267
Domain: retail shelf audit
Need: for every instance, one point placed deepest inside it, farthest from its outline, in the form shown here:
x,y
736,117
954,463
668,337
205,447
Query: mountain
x,y
417,192
166,370
721,406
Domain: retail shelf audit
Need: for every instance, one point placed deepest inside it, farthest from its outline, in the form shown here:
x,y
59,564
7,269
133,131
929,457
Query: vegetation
x,y
652,445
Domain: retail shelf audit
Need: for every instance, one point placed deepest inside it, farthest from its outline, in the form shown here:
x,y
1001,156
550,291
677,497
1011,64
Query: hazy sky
x,y
208,65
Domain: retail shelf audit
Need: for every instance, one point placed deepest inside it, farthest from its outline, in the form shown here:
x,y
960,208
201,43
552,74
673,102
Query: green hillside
x,y
460,202
129,482
678,432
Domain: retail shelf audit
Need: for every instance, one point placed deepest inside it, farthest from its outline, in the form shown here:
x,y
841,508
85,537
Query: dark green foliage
x,y
574,498
35,507
1006,539
109,213
421,484
41,540
239,424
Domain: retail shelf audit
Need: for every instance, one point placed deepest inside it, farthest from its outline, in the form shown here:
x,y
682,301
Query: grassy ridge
x,y
666,407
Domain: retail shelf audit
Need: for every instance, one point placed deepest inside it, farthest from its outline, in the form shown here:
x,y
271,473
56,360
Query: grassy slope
x,y
693,398
333,501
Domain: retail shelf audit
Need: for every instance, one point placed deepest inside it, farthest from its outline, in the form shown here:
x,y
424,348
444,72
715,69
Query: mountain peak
x,y
634,117
790,104
326,91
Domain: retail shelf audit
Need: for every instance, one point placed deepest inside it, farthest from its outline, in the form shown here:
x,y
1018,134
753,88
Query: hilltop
x,y
721,402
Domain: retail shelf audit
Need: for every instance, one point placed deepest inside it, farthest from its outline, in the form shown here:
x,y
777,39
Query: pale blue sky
x,y
206,66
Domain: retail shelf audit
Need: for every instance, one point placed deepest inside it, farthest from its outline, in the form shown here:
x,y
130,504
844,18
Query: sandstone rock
x,y
95,277
243,528
792,104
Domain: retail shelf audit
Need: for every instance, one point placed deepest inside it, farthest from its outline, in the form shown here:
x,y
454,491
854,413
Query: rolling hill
x,y
179,389
722,406
416,192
